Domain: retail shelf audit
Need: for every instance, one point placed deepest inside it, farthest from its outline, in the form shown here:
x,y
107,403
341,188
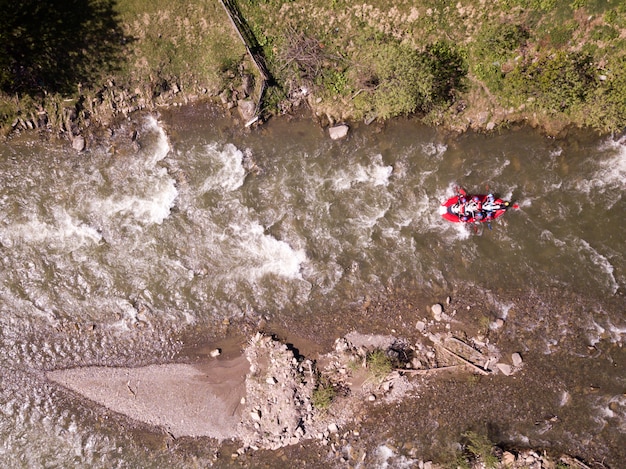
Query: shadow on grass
x,y
54,45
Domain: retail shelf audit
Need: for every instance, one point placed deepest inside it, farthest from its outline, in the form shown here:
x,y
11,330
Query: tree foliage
x,y
558,82
495,45
401,80
54,45
404,80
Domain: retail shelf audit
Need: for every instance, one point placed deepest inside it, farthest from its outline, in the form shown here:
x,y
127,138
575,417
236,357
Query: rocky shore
x,y
266,395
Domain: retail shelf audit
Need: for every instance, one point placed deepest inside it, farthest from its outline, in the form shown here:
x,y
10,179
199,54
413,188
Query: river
x,y
111,257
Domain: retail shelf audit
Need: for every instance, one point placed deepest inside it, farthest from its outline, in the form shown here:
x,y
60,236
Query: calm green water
x,y
107,256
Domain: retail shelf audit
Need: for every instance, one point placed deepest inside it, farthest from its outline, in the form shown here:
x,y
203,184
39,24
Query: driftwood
x,y
573,462
428,370
465,361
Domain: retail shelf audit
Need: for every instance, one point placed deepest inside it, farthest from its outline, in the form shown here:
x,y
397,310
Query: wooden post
x,y
252,46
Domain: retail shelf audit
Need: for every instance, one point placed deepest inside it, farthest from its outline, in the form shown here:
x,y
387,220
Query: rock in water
x,y
338,132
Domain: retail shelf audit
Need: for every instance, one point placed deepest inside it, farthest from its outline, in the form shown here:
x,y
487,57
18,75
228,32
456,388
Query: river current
x,y
106,256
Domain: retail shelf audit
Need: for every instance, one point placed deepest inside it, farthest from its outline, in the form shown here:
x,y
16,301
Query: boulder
x,y
508,459
246,109
338,132
504,368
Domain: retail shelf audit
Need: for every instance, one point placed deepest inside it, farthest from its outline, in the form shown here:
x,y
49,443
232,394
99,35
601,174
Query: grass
x,y
480,447
323,395
378,365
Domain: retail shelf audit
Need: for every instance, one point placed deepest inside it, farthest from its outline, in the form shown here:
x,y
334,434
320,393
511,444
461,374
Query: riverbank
x,y
437,373
468,67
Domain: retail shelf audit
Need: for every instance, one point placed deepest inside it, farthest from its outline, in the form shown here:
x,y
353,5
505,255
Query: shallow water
x,y
107,257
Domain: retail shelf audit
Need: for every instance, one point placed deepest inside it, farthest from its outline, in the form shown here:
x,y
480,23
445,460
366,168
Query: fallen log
x,y
428,370
466,362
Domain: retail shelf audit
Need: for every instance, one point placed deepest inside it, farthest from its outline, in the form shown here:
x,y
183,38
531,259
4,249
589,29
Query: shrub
x,y
379,365
607,106
495,45
480,447
323,395
448,65
559,81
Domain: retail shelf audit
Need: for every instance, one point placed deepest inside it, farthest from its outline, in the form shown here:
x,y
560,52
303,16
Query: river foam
x,y
63,232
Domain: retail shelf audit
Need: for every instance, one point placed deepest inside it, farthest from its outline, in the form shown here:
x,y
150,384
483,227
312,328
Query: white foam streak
x,y
162,144
231,174
149,208
610,174
602,262
259,254
151,191
376,174
433,149
64,232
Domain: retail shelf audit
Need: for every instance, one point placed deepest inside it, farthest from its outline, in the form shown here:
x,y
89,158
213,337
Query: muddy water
x,y
112,257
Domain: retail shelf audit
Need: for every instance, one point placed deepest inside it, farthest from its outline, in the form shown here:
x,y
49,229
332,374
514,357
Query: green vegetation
x,y
560,60
323,395
378,365
480,448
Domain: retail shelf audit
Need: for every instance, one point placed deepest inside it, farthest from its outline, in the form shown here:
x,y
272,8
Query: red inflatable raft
x,y
480,208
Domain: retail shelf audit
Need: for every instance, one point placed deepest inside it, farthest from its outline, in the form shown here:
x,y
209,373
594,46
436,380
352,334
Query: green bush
x,y
607,105
448,65
495,45
404,80
323,395
480,447
378,364
558,82
604,32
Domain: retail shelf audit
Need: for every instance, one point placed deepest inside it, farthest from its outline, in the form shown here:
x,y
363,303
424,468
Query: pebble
x,y
371,398
420,326
332,428
78,143
215,353
437,309
517,359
